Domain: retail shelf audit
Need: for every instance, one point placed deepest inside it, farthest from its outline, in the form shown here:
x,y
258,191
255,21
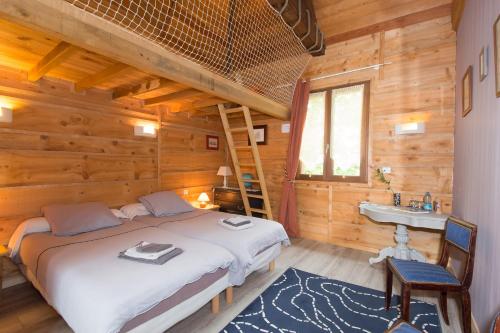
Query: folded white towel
x,y
132,252
225,225
237,219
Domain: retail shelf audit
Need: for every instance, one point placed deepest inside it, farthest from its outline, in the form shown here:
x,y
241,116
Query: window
x,y
335,138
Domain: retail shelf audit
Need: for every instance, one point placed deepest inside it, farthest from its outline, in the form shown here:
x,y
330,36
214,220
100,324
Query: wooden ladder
x,y
256,158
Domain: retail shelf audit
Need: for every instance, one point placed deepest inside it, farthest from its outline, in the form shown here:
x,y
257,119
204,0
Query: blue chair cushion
x,y
404,328
421,272
458,234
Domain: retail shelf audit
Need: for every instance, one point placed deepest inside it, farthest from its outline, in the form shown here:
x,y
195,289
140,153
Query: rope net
x,y
245,41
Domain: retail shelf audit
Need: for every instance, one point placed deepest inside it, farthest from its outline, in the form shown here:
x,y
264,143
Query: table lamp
x,y
203,199
224,171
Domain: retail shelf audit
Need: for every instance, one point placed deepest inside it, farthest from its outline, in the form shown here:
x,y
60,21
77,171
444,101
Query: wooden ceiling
x,y
342,20
38,55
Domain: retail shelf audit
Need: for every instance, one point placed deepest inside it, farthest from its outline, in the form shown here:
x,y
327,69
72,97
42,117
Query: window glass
x,y
313,137
346,126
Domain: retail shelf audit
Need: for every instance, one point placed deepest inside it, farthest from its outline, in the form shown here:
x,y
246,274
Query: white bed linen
x,y
245,244
95,291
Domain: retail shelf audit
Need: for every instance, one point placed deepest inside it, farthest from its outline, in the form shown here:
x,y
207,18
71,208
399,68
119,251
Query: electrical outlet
x,y
186,192
386,170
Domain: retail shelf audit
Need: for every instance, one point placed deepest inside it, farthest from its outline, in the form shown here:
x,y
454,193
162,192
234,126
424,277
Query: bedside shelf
x,y
230,201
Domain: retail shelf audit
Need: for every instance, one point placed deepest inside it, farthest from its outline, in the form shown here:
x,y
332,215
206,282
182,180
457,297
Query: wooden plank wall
x,y
418,86
65,147
185,163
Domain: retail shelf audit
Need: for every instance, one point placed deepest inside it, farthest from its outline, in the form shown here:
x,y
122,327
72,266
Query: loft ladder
x,y
256,159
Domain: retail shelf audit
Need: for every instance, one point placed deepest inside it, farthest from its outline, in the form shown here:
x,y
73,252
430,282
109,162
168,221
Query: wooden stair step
x,y
250,180
246,164
242,147
239,129
233,110
256,210
256,196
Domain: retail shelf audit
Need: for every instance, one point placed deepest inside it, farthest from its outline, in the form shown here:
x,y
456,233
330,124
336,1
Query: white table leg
x,y
384,253
401,251
402,238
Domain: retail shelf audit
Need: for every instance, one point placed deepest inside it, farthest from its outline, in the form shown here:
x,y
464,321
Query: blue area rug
x,y
307,303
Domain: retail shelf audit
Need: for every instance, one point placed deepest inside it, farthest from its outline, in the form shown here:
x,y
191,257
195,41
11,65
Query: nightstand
x,y
230,201
3,253
213,207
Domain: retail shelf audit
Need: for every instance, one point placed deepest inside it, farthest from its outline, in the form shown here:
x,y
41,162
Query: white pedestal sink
x,y
402,217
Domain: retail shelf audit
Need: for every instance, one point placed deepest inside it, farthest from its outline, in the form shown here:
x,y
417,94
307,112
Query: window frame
x,y
328,161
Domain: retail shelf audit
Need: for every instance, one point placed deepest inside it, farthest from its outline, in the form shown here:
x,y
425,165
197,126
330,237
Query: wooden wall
x,y
185,163
418,86
64,147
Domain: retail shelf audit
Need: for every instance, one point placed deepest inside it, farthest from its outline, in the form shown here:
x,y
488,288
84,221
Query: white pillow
x,y
135,209
118,213
30,226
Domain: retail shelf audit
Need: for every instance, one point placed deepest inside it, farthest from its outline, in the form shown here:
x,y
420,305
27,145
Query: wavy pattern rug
x,y
307,303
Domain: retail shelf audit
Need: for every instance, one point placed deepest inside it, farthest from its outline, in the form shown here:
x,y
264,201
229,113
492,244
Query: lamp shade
x,y
203,197
224,171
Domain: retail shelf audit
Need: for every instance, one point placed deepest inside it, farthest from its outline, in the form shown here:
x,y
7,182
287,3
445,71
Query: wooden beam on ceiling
x,y
400,22
70,23
301,17
183,94
143,88
457,10
55,57
202,104
100,77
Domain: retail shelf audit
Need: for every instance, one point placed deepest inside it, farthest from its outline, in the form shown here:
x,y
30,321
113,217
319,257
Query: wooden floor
x,y
23,310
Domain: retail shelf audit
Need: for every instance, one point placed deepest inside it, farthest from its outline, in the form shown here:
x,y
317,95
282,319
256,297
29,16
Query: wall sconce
x,y
148,130
410,128
5,115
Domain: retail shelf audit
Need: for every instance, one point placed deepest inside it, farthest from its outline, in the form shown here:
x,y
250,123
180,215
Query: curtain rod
x,y
376,66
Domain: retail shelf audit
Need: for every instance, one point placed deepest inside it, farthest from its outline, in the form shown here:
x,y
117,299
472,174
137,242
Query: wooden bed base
x,y
272,266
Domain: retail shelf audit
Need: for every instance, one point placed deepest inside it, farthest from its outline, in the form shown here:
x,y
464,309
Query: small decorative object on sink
x,y
427,202
247,176
396,197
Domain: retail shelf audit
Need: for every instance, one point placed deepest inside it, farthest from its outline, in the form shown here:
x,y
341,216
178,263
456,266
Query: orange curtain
x,y
288,207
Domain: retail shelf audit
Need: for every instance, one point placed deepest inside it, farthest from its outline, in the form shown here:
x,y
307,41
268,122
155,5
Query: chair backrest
x,y
461,235
495,326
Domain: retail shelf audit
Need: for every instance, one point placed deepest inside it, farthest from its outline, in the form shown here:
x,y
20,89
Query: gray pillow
x,y
73,219
165,204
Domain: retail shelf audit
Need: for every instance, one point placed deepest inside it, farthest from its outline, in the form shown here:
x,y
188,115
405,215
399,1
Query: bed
x,y
253,248
82,277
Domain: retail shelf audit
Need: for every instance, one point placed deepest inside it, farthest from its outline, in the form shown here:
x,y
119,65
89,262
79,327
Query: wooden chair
x,y
418,275
402,326
495,326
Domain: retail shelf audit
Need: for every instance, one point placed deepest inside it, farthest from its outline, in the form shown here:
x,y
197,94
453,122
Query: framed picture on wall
x,y
496,37
212,142
483,63
260,132
467,92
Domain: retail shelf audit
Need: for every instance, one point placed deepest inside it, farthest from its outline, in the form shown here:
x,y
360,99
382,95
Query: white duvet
x,y
97,292
245,244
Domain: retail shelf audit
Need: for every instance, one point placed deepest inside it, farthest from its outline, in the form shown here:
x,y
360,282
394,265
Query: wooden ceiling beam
x,y
183,94
99,77
301,17
145,87
62,20
211,101
400,22
55,57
